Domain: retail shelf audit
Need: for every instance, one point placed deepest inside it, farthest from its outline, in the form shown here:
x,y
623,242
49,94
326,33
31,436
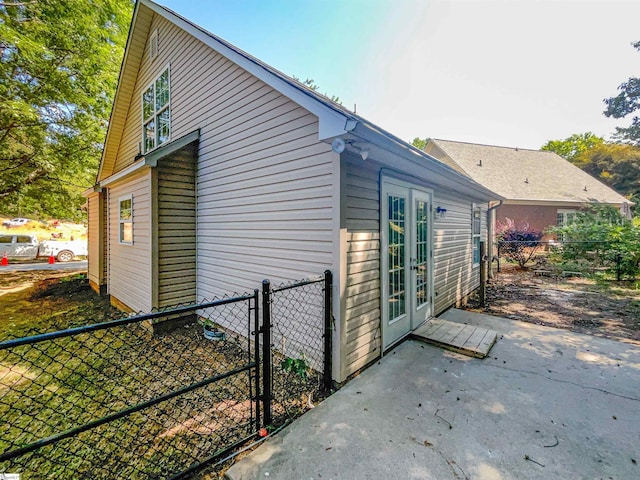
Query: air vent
x,y
153,45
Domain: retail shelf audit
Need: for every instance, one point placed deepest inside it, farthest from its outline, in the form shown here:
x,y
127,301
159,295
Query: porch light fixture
x,y
441,212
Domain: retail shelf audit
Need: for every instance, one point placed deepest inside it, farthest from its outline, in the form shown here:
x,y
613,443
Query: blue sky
x,y
502,72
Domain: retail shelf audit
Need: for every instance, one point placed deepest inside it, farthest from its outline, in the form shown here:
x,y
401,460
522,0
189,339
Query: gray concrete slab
x,y
546,404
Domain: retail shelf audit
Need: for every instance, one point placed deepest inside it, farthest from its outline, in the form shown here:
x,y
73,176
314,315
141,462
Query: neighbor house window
x,y
156,113
475,234
125,220
564,218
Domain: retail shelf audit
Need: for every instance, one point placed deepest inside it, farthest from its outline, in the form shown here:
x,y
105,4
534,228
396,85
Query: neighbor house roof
x,y
522,174
334,119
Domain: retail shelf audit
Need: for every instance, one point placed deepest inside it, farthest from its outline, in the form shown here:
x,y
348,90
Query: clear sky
x,y
502,72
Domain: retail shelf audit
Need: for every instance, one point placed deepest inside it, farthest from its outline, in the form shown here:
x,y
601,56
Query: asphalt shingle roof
x,y
522,174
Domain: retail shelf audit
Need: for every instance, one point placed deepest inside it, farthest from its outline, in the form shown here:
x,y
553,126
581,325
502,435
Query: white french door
x,y
406,259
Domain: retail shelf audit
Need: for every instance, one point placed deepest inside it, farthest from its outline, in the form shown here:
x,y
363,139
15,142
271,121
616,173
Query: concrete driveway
x,y
547,404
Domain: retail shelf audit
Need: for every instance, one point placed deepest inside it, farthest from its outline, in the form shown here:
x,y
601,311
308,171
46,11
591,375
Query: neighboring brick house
x,y
540,188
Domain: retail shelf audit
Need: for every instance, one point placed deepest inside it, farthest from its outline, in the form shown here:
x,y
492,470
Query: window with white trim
x,y
564,218
476,222
156,112
125,220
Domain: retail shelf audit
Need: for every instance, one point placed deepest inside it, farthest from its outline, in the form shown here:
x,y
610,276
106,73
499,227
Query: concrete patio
x,y
545,404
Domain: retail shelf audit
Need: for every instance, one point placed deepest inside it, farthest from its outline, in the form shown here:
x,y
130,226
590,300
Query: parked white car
x,y
16,222
28,246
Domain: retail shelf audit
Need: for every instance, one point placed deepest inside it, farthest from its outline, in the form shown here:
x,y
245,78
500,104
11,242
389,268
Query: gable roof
x,y
523,174
334,119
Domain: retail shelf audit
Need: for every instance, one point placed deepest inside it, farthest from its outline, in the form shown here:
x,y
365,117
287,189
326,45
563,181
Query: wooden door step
x,y
469,340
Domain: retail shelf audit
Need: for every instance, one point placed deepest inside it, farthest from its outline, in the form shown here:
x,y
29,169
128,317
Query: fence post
x,y
498,256
328,331
618,266
483,274
256,352
266,351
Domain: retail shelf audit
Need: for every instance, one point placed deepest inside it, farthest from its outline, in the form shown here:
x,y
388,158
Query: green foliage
x,y
518,243
616,165
297,366
420,143
59,64
574,145
312,85
625,103
601,236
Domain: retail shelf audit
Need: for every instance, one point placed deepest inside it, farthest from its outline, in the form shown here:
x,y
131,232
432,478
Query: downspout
x,y
491,235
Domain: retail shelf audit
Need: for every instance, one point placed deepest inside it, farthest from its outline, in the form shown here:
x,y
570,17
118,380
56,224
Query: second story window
x,y
156,112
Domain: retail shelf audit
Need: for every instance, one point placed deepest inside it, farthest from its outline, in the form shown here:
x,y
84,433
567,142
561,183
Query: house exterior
x,y
539,188
219,171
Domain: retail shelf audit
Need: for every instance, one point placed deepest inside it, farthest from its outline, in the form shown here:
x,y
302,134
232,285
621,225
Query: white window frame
x,y
156,112
125,221
476,236
565,212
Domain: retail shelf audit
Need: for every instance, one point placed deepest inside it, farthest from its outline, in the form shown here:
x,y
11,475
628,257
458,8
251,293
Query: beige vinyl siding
x,y
176,227
93,232
362,334
454,275
265,184
130,265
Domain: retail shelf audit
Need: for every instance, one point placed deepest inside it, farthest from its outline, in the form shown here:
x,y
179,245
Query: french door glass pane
x,y
422,254
396,256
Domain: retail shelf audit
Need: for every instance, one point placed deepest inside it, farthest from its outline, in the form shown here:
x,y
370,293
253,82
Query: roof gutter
x,y
394,145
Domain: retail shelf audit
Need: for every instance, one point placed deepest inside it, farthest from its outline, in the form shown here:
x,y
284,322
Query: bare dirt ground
x,y
606,309
193,426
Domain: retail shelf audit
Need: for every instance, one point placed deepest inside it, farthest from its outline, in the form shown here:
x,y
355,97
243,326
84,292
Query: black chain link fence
x,y
160,395
114,400
300,331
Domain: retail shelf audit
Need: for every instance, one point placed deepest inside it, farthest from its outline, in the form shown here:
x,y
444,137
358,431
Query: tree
x,y
625,103
311,84
616,165
574,145
59,64
420,143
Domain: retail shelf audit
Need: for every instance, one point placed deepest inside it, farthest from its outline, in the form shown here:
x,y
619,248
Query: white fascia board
x,y
125,172
116,97
332,122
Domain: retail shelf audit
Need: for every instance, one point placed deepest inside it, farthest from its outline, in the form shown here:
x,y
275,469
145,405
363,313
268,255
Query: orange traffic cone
x,y
52,259
5,260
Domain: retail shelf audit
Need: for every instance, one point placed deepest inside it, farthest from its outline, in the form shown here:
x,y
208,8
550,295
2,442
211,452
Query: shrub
x,y
518,243
601,235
